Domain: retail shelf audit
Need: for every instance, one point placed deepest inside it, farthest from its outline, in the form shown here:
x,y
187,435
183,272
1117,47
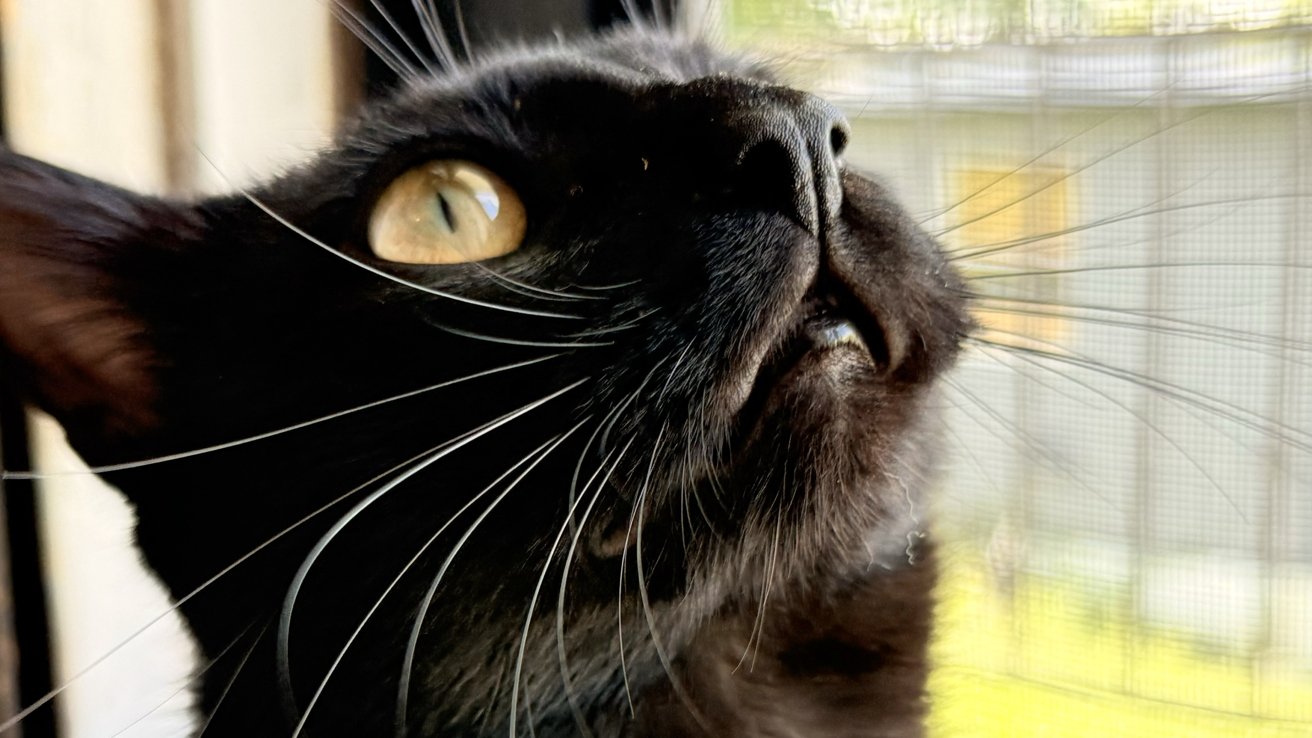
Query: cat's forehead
x,y
528,100
632,56
628,62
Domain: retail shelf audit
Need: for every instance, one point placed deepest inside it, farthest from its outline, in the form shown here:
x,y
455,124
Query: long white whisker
x,y
441,45
392,277
758,625
1044,154
1177,393
619,599
1041,452
604,428
429,27
289,603
634,517
533,601
1077,170
463,32
377,43
407,665
664,658
605,287
529,290
236,673
190,595
187,683
332,668
615,328
518,342
574,492
635,15
1147,423
561,655
5,475
405,39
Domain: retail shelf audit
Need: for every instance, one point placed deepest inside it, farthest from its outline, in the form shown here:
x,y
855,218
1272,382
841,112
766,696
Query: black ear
x,y
76,258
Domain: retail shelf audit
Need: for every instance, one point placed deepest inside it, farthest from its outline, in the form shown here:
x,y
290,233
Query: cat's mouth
x,y
832,333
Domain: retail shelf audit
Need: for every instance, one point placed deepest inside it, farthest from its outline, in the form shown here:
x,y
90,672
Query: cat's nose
x,y
789,158
771,147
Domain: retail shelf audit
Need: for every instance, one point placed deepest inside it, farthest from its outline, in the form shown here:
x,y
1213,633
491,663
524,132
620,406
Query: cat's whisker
x,y
441,451
489,706
437,37
392,277
529,290
7,475
407,666
701,507
1257,343
767,583
516,341
1072,173
70,681
616,328
1139,267
988,249
236,674
196,675
603,429
669,377
662,13
604,287
605,434
1155,207
1041,451
624,561
462,32
1255,421
1161,130
381,9
541,452
1045,154
675,684
1045,385
431,29
1147,313
517,673
561,656
1150,425
634,14
963,446
375,41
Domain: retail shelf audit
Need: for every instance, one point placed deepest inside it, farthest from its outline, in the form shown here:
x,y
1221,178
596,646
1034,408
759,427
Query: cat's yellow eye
x,y
446,212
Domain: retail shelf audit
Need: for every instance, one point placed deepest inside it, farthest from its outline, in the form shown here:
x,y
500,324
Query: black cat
x,y
642,377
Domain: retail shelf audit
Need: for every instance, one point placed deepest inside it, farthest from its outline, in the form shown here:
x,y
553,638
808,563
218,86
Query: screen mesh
x,y
1127,493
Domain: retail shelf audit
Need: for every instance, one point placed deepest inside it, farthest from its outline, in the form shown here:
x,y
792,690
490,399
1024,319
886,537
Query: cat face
x,y
696,368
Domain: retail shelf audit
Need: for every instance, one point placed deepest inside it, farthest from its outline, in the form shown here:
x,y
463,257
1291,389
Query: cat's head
x,y
643,325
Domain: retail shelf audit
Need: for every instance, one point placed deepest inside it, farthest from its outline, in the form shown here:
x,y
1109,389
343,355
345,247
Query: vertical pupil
x,y
448,217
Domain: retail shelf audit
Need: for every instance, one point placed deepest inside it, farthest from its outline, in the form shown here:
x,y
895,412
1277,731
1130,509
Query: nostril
x,y
766,161
769,176
838,139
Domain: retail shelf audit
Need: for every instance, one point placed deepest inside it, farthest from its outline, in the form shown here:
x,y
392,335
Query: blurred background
x,y
1129,502
1126,506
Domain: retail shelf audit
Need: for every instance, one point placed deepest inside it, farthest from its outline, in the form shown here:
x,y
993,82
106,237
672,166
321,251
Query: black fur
x,y
707,217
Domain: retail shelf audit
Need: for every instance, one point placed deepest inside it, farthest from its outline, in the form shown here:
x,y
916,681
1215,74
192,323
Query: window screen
x,y
1127,498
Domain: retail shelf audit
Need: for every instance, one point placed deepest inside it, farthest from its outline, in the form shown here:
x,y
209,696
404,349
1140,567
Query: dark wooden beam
x,y
25,664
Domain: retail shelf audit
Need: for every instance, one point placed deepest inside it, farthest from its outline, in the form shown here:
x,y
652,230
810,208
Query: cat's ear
x,y
74,257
